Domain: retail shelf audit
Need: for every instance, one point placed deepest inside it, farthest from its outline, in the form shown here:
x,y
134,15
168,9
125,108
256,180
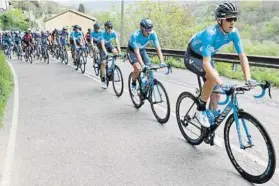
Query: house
x,y
69,18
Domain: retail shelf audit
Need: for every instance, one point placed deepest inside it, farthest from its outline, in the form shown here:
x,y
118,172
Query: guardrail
x,y
259,61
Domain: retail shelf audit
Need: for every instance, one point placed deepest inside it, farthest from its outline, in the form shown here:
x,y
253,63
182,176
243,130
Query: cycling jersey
x,y
17,39
96,36
77,35
212,39
138,40
107,37
63,35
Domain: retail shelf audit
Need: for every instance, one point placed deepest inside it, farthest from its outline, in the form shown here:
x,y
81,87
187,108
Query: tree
x,y
81,8
13,19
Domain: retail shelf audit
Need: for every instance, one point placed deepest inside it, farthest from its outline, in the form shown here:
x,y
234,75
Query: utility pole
x,y
122,23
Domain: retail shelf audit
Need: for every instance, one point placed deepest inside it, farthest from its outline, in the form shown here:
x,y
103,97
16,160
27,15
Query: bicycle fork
x,y
238,126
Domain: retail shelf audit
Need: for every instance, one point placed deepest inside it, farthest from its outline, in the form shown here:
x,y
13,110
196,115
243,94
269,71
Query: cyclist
x,y
136,49
18,41
96,37
106,45
64,37
203,45
77,40
87,35
44,41
27,40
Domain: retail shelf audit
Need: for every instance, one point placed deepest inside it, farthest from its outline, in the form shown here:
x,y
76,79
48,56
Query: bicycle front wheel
x,y
189,127
82,64
117,81
260,167
159,95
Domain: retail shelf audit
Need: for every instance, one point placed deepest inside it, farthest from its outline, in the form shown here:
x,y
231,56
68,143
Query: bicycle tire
x,y
116,68
82,64
137,105
167,117
30,59
91,52
66,59
268,173
181,124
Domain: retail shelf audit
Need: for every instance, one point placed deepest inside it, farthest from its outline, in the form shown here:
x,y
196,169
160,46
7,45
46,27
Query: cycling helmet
x,y
96,26
89,29
108,25
64,28
146,24
226,10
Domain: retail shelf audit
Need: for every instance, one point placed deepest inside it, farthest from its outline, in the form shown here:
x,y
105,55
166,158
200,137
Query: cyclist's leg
x,y
214,98
103,66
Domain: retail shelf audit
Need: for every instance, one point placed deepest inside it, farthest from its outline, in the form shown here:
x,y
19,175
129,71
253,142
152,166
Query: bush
x,y
6,84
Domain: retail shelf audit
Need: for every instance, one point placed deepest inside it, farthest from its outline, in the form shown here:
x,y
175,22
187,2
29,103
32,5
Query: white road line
x,y
218,140
6,176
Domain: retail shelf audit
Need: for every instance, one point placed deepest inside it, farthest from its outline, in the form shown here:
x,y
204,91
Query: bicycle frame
x,y
231,103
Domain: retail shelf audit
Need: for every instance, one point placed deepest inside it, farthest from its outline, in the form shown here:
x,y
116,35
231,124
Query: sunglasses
x,y
230,19
148,30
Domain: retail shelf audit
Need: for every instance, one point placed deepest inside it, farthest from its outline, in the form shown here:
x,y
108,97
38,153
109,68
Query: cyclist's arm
x,y
245,66
243,59
118,46
157,46
159,52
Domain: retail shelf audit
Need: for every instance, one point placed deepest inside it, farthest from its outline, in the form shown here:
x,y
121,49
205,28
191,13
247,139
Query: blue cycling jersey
x,y
138,40
64,35
212,39
107,37
96,36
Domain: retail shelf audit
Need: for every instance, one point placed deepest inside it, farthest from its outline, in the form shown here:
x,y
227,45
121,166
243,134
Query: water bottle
x,y
210,116
216,113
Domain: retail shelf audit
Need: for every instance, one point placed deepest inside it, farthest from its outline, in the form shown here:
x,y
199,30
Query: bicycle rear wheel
x,y
248,121
160,95
136,99
186,118
117,81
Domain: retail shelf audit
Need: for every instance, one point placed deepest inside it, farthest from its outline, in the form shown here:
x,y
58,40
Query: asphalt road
x,y
72,132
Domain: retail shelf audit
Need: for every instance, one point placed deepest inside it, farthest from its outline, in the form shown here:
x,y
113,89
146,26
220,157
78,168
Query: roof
x,y
75,12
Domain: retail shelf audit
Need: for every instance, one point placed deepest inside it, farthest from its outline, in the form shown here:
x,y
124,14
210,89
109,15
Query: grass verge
x,y
6,85
258,73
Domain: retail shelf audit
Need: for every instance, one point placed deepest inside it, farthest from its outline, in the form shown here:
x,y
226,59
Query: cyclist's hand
x,y
162,65
226,87
251,83
143,68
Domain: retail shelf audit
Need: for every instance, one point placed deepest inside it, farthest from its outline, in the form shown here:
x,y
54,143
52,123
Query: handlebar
x,y
169,70
242,89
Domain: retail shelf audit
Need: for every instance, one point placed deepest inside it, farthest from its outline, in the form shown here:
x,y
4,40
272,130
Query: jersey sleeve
x,y
237,42
133,41
207,41
155,40
115,36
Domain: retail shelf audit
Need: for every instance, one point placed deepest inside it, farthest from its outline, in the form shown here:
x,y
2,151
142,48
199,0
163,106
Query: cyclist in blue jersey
x,y
107,36
136,49
203,46
64,37
96,37
77,39
17,41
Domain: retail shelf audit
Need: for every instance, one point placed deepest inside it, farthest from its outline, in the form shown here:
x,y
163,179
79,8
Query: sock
x,y
202,105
